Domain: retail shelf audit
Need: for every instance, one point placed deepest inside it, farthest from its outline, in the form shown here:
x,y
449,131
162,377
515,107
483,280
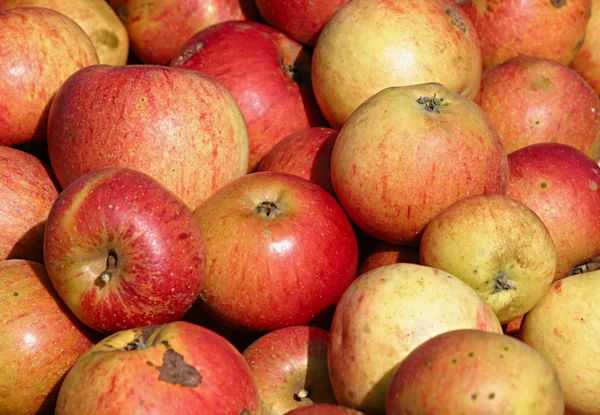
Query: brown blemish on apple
x,y
174,370
105,37
557,333
558,3
245,411
502,283
141,340
456,19
15,293
188,53
593,185
543,185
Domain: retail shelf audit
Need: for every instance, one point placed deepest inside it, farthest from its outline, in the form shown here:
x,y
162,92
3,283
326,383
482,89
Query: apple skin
x,y
123,224
483,374
530,100
498,246
368,46
564,328
39,341
385,253
275,97
384,315
305,153
302,20
392,178
587,61
41,49
280,252
158,30
324,409
97,19
28,191
509,28
181,127
177,368
561,185
288,362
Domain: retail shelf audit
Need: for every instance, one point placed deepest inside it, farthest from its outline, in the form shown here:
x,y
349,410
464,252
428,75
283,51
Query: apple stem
x,y
268,209
431,104
502,283
111,263
302,394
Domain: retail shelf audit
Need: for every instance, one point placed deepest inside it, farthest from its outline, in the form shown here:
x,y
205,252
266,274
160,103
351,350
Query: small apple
x,y
289,366
177,368
123,251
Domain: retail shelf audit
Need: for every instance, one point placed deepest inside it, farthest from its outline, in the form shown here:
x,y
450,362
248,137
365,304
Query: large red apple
x,y
280,251
41,48
181,127
305,153
562,186
289,366
178,368
27,191
368,46
268,74
123,251
302,20
407,153
39,340
158,29
530,100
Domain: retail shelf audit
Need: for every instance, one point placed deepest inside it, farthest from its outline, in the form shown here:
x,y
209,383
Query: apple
x,y
289,366
385,253
123,251
383,316
39,341
410,151
158,30
305,153
498,246
179,126
97,19
324,409
27,191
564,328
275,96
280,252
483,373
587,61
177,368
513,328
509,28
530,100
32,68
368,46
302,20
560,184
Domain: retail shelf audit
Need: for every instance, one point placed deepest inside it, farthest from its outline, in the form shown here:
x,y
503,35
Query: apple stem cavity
x,y
502,283
111,264
268,209
431,104
301,394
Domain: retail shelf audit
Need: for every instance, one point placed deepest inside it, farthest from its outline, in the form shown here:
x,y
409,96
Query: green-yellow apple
x,y
41,48
97,19
123,251
498,246
289,366
368,46
384,315
39,339
179,126
475,372
176,368
564,328
410,151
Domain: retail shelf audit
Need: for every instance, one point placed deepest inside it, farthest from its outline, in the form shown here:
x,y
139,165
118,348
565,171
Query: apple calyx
x,y
268,209
111,265
502,283
301,395
431,104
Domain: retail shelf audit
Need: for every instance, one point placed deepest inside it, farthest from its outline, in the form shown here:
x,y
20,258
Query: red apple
x,y
181,127
530,100
280,251
509,28
561,185
300,19
385,253
157,30
39,340
268,74
41,48
178,368
27,191
305,153
289,366
324,409
123,251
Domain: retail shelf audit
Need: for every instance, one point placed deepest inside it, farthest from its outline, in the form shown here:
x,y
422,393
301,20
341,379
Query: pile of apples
x,y
300,207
